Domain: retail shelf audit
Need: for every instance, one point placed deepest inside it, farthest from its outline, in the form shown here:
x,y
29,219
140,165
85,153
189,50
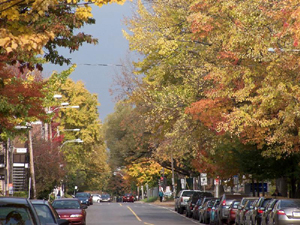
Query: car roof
x,y
14,200
66,199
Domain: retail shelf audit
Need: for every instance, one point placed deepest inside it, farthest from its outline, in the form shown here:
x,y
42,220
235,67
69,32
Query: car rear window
x,y
15,215
265,203
65,204
187,193
290,203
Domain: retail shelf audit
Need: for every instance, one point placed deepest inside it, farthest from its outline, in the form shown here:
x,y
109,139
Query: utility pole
x,y
32,173
173,179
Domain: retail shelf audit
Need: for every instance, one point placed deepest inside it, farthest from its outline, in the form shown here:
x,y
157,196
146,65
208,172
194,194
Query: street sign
x,y
203,174
203,181
217,182
10,189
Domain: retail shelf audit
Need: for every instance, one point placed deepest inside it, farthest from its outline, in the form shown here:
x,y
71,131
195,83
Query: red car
x,y
128,198
70,209
232,211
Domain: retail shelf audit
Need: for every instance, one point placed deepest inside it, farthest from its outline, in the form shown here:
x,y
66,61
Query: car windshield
x,y
187,193
105,196
290,203
81,195
44,213
15,215
66,204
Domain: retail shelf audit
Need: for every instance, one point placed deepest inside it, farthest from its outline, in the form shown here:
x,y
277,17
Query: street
x,y
134,214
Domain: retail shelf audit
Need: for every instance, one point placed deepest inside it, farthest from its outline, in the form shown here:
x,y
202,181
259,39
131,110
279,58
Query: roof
x,y
66,199
14,200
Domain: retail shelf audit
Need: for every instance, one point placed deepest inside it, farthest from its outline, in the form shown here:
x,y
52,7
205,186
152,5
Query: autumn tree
x,y
89,159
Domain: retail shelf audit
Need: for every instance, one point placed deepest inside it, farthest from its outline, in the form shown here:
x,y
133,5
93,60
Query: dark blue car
x,y
83,198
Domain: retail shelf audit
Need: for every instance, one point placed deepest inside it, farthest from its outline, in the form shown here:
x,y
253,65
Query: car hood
x,y
68,211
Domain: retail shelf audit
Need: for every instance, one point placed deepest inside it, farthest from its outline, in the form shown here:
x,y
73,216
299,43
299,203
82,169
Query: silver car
x,y
96,198
181,200
285,211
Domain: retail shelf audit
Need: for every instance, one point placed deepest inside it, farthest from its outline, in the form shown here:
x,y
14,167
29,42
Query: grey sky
x,y
112,47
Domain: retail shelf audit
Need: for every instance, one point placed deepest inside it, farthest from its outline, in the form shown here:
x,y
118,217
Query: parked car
x,y
213,213
265,214
245,209
195,213
128,198
248,215
181,200
205,209
96,198
193,199
258,210
83,197
226,201
232,212
285,211
47,214
17,211
105,198
71,209
240,209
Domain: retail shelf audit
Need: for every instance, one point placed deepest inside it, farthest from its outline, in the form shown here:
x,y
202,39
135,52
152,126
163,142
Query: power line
x,y
98,64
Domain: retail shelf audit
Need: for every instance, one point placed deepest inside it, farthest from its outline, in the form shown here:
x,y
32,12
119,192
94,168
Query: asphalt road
x,y
134,214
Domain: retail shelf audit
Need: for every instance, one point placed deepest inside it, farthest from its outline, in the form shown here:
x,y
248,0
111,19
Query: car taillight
x,y
208,209
280,212
260,211
181,199
224,202
232,212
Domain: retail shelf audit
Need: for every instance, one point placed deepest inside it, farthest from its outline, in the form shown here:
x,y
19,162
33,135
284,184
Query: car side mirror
x,y
63,222
83,207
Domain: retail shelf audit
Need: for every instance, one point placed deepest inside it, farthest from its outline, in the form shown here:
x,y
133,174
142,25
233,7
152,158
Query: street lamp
x,y
69,141
64,107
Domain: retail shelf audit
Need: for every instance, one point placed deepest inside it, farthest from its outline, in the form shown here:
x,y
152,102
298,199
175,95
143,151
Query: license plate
x,y
296,214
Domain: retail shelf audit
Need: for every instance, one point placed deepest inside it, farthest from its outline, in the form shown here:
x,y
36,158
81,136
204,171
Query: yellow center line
x,y
120,204
138,218
148,223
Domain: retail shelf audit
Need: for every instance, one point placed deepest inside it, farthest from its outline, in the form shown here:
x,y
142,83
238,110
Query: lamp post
x,y
64,105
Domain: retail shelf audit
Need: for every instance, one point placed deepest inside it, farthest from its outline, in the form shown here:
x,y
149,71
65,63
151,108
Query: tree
x,y
27,27
89,159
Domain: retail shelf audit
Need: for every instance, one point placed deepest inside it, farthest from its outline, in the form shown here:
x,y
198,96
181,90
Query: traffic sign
x,y
217,182
203,181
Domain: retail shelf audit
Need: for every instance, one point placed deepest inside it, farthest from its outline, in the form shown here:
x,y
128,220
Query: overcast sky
x,y
111,49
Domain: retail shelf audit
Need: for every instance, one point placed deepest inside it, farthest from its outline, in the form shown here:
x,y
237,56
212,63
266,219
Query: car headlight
x,y
87,200
76,215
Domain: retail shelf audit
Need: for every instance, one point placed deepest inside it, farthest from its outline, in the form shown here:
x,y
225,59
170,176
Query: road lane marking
x,y
148,223
138,218
120,204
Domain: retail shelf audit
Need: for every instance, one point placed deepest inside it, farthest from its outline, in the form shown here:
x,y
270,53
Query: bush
x,y
151,199
22,194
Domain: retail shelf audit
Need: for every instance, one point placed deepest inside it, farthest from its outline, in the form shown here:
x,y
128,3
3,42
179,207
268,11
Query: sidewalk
x,y
170,204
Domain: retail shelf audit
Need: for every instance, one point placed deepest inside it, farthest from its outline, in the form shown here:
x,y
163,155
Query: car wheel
x,y
180,210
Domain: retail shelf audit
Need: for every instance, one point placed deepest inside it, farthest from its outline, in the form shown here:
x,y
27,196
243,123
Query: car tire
x,y
180,210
